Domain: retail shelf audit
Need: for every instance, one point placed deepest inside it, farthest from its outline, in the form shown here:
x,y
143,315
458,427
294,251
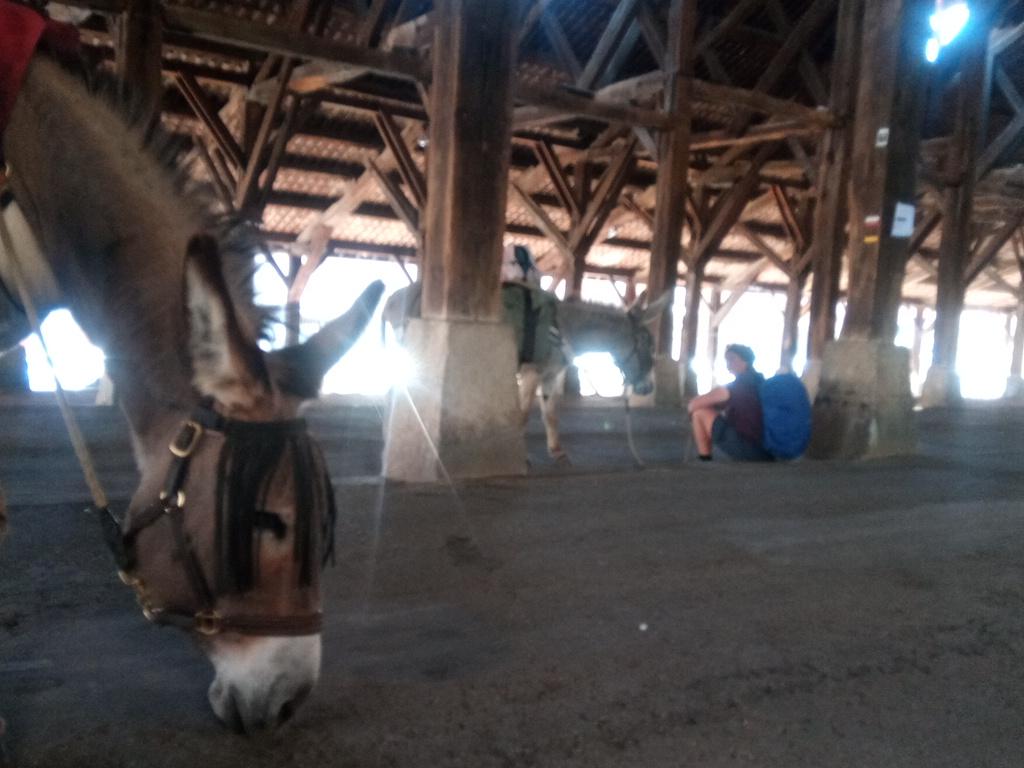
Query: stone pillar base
x,y
1014,388
104,391
864,407
460,416
812,377
688,382
666,392
941,387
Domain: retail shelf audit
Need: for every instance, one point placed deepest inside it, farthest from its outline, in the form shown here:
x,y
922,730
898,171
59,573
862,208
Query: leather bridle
x,y
638,334
170,505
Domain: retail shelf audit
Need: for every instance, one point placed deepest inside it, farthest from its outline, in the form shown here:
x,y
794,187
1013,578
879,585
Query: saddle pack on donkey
x,y
787,416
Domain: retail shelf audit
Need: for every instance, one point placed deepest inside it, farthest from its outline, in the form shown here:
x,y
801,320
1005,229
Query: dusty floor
x,y
813,614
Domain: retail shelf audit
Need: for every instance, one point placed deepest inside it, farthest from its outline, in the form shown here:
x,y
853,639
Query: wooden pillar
x,y
915,350
863,404
942,385
886,135
1015,382
138,54
670,193
673,165
791,321
460,417
292,312
691,326
1018,341
828,238
714,305
470,143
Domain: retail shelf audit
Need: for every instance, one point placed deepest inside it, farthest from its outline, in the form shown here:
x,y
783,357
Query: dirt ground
x,y
812,614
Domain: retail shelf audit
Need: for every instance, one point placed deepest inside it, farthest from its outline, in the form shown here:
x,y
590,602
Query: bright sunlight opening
x,y
377,362
946,24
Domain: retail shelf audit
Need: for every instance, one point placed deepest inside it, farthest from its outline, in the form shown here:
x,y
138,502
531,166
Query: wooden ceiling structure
x,y
310,117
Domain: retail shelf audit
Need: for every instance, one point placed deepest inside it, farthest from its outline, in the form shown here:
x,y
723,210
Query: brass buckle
x,y
207,622
178,503
186,451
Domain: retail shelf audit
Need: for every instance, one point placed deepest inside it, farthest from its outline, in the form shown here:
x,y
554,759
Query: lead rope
x,y
637,461
99,498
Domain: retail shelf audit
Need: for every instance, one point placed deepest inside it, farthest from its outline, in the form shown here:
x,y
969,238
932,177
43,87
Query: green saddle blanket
x,y
532,313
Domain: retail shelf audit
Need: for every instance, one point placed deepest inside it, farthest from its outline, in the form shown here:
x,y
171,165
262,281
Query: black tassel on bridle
x,y
252,456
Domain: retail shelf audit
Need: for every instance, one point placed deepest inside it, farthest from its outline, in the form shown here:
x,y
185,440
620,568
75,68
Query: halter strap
x,y
171,504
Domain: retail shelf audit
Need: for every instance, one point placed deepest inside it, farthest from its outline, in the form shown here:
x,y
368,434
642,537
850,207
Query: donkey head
x,y
638,361
231,524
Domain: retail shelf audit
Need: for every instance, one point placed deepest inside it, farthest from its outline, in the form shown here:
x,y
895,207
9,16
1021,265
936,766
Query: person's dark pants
x,y
730,442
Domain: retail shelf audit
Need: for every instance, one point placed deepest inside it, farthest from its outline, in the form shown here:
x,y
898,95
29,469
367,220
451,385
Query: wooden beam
x,y
757,101
768,132
470,143
544,222
407,167
789,219
808,69
546,101
560,43
986,252
737,287
604,199
735,17
219,27
247,184
221,184
357,191
958,199
138,55
786,267
795,42
208,116
559,178
406,210
1011,136
728,208
828,231
371,27
673,159
652,33
891,92
284,133
607,43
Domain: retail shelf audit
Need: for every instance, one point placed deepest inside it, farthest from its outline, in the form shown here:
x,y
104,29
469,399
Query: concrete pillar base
x,y
688,382
941,387
105,391
864,407
812,377
460,416
666,392
1014,388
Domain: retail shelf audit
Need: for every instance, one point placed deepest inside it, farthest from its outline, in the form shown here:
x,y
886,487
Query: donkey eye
x,y
270,521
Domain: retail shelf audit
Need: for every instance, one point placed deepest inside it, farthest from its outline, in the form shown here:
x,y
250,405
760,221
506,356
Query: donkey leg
x,y
551,391
528,377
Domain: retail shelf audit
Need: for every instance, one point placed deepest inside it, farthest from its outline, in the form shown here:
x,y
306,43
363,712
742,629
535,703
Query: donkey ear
x,y
652,311
227,365
299,370
638,304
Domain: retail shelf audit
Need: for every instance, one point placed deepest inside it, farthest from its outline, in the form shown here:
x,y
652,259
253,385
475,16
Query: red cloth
x,y
21,31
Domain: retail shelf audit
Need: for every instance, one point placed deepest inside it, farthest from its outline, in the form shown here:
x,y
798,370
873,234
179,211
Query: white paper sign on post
x,y
903,220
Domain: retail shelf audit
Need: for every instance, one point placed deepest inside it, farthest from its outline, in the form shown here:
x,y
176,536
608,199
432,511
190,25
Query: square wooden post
x,y
670,191
459,417
942,385
864,406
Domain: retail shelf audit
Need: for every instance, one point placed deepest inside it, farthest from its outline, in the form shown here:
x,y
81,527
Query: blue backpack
x,y
787,416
